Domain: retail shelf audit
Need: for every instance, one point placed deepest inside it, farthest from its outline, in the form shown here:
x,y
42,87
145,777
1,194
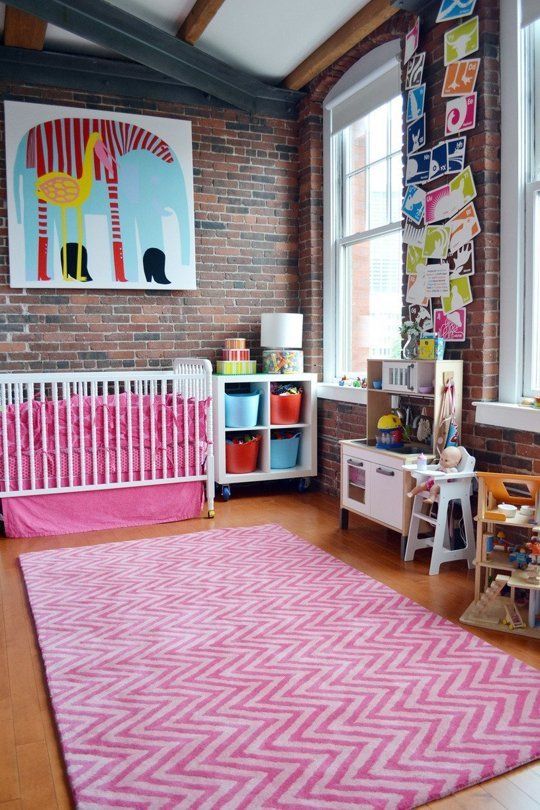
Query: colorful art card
x,y
416,135
413,204
439,161
411,235
437,280
454,9
415,70
417,170
462,261
460,295
462,191
451,326
422,315
461,41
437,204
436,240
456,155
460,114
411,41
460,78
415,103
415,259
463,227
416,289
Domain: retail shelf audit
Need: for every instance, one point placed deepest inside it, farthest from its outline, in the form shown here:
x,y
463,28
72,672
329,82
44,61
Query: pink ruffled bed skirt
x,y
70,512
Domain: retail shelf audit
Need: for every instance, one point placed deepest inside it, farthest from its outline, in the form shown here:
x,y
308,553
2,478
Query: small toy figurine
x,y
448,463
520,559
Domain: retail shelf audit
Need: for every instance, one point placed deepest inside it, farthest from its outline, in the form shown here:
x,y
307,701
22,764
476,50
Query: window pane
x,y
357,139
396,124
396,188
377,141
372,300
535,336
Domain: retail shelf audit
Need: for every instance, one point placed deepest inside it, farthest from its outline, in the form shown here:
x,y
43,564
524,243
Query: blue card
x,y
456,155
454,9
439,161
418,167
415,103
416,135
414,203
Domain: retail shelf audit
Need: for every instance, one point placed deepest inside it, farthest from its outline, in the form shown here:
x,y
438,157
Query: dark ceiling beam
x,y
23,30
375,13
129,36
198,19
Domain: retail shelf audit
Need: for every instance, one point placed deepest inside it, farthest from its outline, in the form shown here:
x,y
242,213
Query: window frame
x,y
376,64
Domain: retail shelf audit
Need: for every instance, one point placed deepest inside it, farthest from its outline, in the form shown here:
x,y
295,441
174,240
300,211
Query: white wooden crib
x,y
82,431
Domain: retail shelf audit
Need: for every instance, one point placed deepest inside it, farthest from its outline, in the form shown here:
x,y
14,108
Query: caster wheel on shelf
x,y
225,493
211,513
303,484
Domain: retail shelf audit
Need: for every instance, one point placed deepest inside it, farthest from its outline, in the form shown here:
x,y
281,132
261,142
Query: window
x,y
363,249
531,89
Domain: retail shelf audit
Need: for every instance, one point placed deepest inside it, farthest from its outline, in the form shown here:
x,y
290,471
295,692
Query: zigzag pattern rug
x,y
245,668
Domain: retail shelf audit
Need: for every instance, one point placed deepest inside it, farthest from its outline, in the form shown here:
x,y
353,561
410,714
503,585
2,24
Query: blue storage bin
x,y
242,410
284,453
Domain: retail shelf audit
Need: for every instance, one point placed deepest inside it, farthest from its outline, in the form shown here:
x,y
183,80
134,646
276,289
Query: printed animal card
x,y
411,235
415,70
422,315
454,9
415,259
413,204
437,204
417,170
416,289
437,280
462,261
461,41
411,41
460,295
451,326
460,78
415,103
456,154
460,114
436,240
462,191
463,227
416,135
439,161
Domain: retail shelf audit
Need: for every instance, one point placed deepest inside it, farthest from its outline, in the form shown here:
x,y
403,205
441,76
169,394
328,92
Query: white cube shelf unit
x,y
306,465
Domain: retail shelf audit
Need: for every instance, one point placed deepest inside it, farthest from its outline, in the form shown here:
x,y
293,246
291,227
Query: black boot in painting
x,y
72,250
154,266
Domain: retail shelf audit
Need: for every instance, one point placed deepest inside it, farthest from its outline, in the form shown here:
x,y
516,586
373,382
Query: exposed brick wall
x,y
246,220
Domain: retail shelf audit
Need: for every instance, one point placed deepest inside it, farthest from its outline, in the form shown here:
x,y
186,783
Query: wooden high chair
x,y
454,487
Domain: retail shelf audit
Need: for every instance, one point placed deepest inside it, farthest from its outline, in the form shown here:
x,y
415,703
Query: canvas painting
x,y
451,326
437,204
416,135
460,295
462,191
411,235
460,77
411,40
417,170
415,70
461,41
422,315
98,199
456,155
437,280
436,240
463,227
415,259
454,9
413,204
462,261
415,103
416,289
460,114
439,161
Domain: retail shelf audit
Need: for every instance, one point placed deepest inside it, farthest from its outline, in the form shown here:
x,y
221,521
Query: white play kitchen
x,y
404,404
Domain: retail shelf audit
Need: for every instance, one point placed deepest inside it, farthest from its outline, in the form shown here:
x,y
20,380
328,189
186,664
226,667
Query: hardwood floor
x,y
31,769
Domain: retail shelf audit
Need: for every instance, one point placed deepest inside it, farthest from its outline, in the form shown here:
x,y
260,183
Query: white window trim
x,y
507,413
376,63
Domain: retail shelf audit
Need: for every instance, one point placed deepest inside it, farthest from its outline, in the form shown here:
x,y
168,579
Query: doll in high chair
x,y
448,463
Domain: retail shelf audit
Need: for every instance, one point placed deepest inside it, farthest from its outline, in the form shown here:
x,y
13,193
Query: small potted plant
x,y
410,332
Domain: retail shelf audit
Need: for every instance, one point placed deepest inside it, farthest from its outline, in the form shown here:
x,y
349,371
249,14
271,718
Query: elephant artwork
x,y
97,199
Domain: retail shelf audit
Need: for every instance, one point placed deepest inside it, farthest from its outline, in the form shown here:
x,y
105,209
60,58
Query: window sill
x,y
507,415
342,393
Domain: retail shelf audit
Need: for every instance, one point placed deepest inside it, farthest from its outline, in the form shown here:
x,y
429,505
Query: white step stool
x,y
454,487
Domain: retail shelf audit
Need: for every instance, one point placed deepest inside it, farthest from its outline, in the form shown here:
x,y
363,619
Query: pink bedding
x,y
108,423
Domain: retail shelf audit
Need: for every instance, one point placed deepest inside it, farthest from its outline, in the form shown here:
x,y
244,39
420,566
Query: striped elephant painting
x,y
99,199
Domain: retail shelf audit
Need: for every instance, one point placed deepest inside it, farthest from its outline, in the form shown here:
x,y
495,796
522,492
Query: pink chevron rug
x,y
245,668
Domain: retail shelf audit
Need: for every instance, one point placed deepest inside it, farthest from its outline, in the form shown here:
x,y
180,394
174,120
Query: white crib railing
x,y
92,430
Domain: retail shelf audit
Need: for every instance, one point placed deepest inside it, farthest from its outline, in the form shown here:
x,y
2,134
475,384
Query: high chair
x,y
454,487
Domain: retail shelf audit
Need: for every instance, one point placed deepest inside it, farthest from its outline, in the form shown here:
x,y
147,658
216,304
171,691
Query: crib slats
x,y
140,393
4,402
93,398
82,449
175,427
66,395
30,403
44,435
56,428
127,389
117,431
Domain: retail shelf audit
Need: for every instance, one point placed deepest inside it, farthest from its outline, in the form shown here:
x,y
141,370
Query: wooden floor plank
x,y
314,517
510,795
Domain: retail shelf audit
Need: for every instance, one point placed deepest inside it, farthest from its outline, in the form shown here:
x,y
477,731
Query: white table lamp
x,y
281,339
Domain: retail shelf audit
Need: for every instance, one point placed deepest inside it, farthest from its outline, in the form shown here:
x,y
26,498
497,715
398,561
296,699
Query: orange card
x,y
460,77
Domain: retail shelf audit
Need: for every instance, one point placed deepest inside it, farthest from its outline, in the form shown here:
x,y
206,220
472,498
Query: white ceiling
x,y
267,38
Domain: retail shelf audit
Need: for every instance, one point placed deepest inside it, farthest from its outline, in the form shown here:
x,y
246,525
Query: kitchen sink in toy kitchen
x,y
401,424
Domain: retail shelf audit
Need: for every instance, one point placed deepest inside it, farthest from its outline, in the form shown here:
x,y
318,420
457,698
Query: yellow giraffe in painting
x,y
66,191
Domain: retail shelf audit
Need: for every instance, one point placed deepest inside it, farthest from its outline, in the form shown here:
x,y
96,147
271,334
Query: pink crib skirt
x,y
69,512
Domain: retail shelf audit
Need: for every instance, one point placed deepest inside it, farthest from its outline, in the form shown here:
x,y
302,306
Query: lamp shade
x,y
281,330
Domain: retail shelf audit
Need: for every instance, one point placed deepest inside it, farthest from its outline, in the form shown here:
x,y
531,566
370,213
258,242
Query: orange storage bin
x,y
242,458
285,408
